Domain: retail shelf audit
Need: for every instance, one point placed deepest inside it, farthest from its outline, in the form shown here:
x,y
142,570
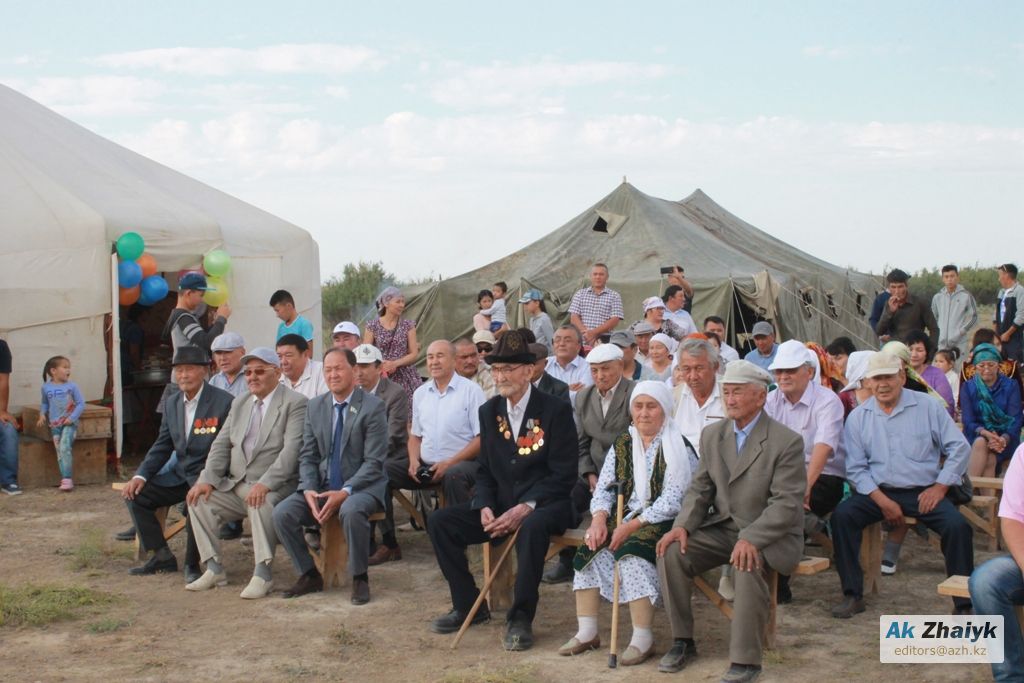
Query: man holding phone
x,y
903,313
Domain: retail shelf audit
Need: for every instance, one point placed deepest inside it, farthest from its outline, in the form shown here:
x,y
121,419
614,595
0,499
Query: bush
x,y
981,281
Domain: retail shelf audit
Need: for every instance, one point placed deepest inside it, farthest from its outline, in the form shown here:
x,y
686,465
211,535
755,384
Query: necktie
x,y
251,434
334,479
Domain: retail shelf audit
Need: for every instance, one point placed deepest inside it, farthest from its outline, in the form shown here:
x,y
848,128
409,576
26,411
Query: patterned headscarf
x,y
387,296
826,371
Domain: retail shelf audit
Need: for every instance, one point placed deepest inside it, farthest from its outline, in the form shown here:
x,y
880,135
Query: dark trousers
x,y
457,485
151,534
455,528
826,494
581,496
859,511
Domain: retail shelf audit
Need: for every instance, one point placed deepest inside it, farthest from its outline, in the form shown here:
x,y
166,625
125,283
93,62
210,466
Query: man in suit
x,y
744,507
396,463
252,465
527,468
341,473
192,417
602,414
541,379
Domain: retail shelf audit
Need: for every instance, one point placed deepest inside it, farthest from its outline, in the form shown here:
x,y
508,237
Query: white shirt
x,y
577,370
682,319
606,400
516,411
190,411
311,382
818,418
692,418
446,420
728,354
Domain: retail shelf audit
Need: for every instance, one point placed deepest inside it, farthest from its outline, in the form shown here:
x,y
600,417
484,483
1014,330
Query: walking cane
x,y
483,592
613,658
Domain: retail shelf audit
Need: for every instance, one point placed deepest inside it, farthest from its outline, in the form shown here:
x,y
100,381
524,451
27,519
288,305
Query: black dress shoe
x,y
310,582
559,573
230,531
848,607
192,574
518,636
682,651
741,673
126,535
360,591
452,622
155,566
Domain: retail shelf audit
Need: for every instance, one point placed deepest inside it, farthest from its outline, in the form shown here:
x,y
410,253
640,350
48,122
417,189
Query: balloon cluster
x,y
139,283
137,273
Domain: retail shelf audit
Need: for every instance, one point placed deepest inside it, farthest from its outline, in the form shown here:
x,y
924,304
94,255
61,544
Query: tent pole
x,y
115,353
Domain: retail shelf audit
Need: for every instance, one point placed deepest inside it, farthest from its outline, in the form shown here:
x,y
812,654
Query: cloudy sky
x,y
436,137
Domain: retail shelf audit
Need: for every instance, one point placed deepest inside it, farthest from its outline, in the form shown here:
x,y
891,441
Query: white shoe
x,y
888,569
726,588
257,588
207,581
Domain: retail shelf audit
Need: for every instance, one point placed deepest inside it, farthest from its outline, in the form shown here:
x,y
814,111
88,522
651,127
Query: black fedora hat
x,y
511,348
191,355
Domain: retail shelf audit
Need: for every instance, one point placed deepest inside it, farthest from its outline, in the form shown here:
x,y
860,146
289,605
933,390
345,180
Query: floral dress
x,y
394,344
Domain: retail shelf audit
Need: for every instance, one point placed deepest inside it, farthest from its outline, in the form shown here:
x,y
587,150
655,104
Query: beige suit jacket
x,y
598,432
275,457
761,489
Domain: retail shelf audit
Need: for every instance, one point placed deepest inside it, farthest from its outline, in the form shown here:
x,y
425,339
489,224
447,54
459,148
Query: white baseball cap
x,y
367,354
791,355
345,327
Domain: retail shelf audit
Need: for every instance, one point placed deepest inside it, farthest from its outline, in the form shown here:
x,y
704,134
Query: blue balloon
x,y
129,274
153,290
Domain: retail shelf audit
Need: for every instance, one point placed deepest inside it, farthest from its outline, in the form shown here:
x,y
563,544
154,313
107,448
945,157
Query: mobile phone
x,y
668,270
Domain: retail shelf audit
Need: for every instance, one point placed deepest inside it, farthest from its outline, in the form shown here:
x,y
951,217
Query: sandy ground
x,y
169,634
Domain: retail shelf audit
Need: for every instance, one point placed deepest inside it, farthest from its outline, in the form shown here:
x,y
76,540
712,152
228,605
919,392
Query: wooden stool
x,y
988,521
413,511
808,566
332,559
871,557
161,516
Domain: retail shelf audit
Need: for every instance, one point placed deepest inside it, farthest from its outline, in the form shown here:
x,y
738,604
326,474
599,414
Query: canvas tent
x,y
66,195
738,272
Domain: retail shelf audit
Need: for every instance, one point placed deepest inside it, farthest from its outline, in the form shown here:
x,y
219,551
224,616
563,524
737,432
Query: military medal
x,y
532,440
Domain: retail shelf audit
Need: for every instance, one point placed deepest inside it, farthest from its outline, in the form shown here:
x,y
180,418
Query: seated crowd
x,y
685,457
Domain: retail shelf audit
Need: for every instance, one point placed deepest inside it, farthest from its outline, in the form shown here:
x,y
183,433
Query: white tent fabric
x,y
67,194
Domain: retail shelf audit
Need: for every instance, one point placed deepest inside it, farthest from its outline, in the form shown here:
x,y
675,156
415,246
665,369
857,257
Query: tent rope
x,y
870,343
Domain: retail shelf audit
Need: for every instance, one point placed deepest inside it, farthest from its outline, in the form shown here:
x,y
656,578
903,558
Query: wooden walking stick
x,y
613,657
483,592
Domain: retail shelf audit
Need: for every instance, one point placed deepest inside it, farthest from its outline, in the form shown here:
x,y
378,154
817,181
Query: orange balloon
x,y
148,265
128,296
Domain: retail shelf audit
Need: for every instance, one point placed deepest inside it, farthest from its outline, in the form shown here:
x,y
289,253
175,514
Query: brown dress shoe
x,y
360,591
311,582
385,554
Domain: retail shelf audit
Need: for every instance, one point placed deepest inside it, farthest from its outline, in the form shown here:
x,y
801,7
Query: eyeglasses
x,y
505,369
484,348
259,372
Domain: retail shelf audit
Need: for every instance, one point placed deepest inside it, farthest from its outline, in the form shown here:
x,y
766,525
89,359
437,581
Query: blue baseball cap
x,y
194,281
532,295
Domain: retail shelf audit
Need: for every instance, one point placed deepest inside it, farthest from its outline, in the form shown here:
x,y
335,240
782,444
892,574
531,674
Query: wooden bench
x,y
499,596
956,587
161,516
414,512
808,567
986,520
332,558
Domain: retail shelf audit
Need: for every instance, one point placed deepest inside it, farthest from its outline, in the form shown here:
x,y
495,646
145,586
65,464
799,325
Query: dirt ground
x,y
157,631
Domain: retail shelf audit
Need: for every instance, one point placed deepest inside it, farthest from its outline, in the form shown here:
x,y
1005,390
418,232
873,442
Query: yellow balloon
x,y
218,294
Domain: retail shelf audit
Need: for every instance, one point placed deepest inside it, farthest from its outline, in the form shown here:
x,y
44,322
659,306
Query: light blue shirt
x,y
757,359
236,388
742,434
446,421
299,326
902,449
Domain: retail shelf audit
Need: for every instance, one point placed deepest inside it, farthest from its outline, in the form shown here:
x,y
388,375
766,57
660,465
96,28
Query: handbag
x,y
962,493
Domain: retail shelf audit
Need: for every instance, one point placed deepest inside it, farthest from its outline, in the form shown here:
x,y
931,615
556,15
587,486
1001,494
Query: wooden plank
x,y
714,596
987,483
499,597
37,462
871,557
811,565
955,586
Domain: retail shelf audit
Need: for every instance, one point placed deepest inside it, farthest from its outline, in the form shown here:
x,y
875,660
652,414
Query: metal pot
x,y
152,376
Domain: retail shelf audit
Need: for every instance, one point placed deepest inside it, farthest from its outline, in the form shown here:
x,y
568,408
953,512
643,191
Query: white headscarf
x,y
677,456
666,341
856,366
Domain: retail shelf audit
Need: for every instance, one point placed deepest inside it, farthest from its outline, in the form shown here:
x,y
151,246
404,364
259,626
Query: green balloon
x,y
130,246
217,263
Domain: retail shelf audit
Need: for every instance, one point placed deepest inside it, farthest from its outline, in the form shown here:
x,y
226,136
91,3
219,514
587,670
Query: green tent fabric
x,y
738,272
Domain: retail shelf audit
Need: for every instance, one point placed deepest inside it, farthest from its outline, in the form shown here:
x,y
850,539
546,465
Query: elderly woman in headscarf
x,y
654,314
857,389
396,339
991,407
655,465
659,356
914,381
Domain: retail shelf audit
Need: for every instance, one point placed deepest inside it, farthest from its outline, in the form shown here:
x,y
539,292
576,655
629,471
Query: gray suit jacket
x,y
761,489
364,443
275,457
396,405
597,432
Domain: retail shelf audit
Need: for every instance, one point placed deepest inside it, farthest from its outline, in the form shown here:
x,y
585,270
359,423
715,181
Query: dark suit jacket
x,y
192,448
761,489
553,385
364,443
597,432
547,475
396,405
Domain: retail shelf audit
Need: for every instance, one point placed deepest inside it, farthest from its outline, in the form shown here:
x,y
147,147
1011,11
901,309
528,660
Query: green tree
x,y
350,296
981,281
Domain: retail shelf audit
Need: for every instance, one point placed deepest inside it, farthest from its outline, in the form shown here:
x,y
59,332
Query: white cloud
x,y
509,85
323,58
339,92
96,95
